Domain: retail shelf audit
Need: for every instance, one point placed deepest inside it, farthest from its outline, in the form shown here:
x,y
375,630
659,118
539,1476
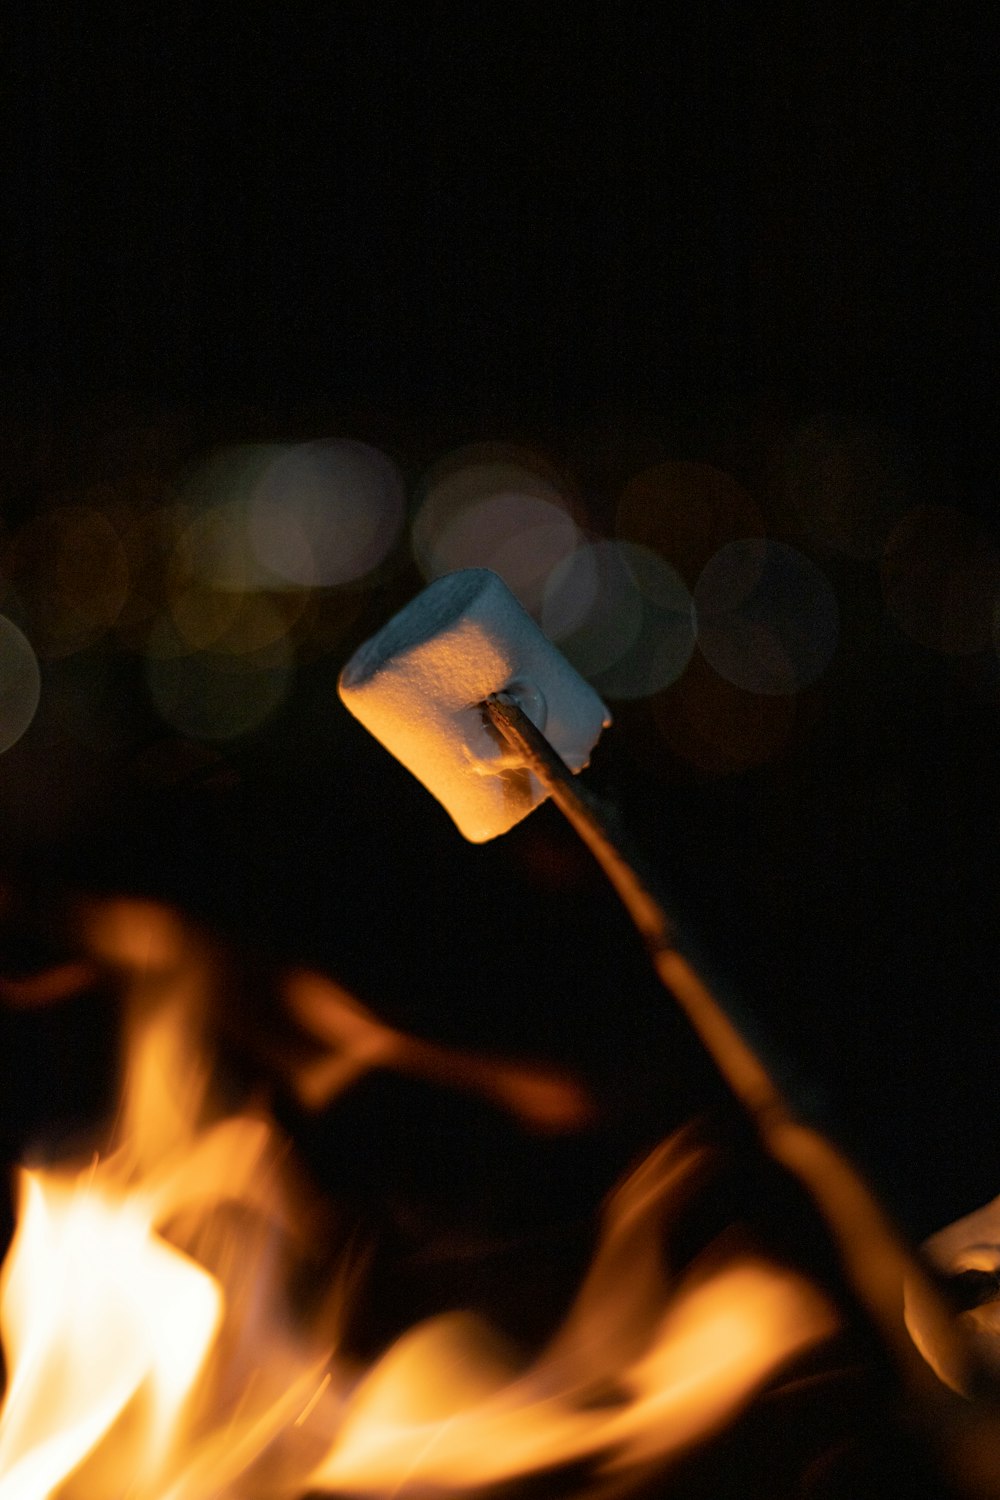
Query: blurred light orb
x,y
219,595
214,695
941,580
486,507
214,549
71,574
521,538
325,513
622,616
232,623
766,617
213,544
20,684
686,512
202,614
228,474
150,540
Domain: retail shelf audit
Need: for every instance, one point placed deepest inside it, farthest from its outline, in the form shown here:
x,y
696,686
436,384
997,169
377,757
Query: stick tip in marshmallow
x,y
418,686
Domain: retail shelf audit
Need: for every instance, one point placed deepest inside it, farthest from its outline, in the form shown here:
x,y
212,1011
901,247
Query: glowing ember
x,y
152,1346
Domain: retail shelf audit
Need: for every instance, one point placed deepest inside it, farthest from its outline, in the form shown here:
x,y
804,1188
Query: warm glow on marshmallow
x,y
419,685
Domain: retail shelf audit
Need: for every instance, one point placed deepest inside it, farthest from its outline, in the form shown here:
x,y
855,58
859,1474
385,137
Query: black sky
x,y
418,206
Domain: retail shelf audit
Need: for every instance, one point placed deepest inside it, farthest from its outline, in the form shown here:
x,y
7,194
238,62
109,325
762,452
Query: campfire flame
x,y
157,1349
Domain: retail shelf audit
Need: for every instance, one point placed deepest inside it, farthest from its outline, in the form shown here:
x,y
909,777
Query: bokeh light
x,y
150,538
234,624
215,549
622,616
303,515
70,573
686,512
216,695
766,616
493,507
215,587
941,579
326,513
20,684
225,480
203,614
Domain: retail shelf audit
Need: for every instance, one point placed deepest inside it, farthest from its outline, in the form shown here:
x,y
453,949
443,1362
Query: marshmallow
x,y
967,1255
419,685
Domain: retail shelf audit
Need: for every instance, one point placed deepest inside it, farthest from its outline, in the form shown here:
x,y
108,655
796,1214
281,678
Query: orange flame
x,y
145,1308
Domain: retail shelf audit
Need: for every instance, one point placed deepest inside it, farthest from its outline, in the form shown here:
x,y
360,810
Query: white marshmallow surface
x,y
419,685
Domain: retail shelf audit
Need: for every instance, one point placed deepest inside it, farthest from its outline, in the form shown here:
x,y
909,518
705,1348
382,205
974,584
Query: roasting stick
x,y
876,1258
467,692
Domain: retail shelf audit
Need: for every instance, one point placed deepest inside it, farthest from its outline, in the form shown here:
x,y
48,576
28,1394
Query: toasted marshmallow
x,y
419,686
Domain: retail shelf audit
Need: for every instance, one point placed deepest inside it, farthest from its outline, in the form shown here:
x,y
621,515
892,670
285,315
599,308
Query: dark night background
x,y
649,234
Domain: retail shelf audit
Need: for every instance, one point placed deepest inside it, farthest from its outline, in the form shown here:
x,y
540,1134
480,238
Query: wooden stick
x,y
875,1256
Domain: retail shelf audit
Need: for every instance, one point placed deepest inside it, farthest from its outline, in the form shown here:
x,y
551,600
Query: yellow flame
x,y
98,1312
145,1304
640,1370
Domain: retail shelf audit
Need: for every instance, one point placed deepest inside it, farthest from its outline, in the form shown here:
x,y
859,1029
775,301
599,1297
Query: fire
x,y
107,1327
157,1349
